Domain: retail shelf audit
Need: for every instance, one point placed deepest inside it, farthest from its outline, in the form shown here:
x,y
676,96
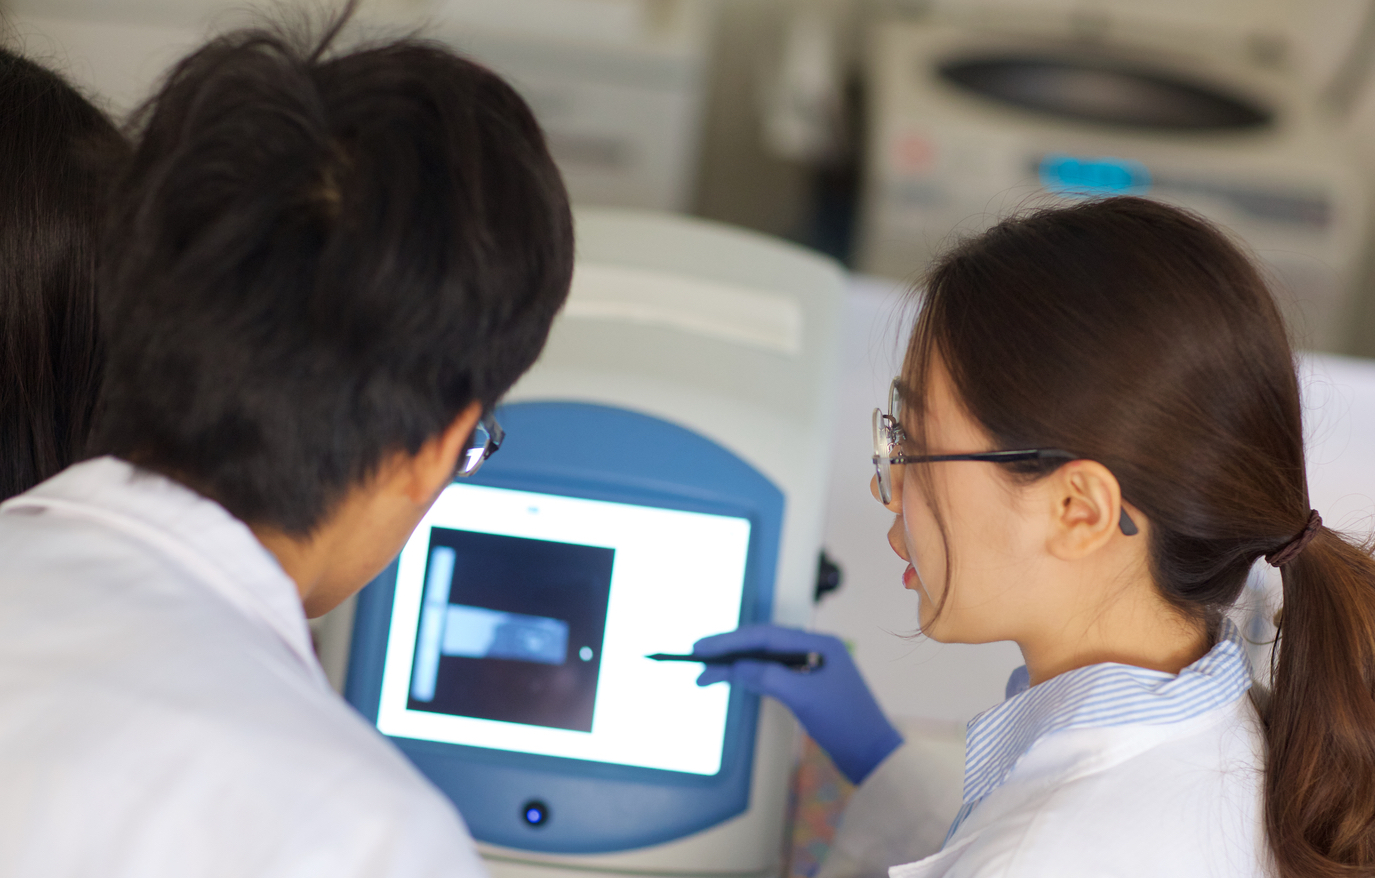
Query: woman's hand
x,y
832,703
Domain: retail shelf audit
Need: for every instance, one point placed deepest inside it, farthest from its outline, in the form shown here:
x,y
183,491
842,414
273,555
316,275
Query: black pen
x,y
798,661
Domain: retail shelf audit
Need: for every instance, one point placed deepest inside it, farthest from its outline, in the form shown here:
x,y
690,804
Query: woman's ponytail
x,y
1320,715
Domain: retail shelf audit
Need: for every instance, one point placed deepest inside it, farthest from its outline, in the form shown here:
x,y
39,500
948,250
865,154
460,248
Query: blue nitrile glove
x,y
833,703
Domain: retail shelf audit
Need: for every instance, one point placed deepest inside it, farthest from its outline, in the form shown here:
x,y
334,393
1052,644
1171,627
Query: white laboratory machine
x,y
619,86
979,109
661,479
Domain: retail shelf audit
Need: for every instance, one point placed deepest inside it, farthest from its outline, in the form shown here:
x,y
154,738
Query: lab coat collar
x,y
1097,696
192,531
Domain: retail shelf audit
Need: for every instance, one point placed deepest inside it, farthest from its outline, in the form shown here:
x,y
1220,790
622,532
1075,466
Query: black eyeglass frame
x,y
486,437
888,427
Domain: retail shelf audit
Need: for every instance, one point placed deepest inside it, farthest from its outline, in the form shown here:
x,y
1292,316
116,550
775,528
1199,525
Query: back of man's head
x,y
319,261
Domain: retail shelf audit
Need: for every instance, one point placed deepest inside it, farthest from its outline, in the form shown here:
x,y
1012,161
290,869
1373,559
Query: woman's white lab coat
x,y
1177,799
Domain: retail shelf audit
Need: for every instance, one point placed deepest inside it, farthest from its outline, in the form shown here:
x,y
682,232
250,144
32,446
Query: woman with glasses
x,y
1095,436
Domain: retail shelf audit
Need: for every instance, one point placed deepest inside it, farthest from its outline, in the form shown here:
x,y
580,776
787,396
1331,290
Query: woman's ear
x,y
1086,507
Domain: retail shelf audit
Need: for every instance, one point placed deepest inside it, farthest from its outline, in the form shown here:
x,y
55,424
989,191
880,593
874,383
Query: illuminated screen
x,y
521,622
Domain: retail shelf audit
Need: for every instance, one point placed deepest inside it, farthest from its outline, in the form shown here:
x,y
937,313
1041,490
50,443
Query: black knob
x,y
828,577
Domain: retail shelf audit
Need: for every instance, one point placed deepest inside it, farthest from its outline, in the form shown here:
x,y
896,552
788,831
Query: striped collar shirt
x,y
1097,696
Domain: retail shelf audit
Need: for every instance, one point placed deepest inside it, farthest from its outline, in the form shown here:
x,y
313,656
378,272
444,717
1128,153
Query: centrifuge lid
x,y
1105,91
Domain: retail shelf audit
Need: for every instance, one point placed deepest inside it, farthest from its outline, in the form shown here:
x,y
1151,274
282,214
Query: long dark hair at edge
x,y
1137,335
58,159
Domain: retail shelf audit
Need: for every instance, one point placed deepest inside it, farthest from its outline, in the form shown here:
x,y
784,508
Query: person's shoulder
x,y
1201,775
339,796
1187,802
260,785
374,820
214,734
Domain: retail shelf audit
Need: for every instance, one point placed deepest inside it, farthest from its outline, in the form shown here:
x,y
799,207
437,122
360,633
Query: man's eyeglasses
x,y
483,442
889,436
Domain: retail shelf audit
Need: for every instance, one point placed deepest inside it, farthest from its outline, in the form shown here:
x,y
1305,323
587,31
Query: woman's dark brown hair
x,y
58,157
1137,335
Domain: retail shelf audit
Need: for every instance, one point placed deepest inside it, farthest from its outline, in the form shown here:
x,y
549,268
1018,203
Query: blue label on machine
x,y
1074,177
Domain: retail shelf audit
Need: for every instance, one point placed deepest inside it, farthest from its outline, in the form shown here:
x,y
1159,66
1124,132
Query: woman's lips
x,y
909,577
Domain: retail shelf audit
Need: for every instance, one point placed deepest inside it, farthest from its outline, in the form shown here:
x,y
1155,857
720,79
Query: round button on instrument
x,y
535,812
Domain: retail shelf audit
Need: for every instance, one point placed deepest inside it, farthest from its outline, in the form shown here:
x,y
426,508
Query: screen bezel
x,y
599,453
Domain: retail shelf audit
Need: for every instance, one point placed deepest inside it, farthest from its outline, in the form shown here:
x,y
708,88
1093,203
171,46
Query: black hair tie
x,y
1290,550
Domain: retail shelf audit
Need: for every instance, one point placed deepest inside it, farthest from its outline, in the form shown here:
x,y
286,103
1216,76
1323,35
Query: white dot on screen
x,y
585,653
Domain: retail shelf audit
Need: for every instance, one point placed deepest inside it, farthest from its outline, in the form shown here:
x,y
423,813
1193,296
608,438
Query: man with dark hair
x,y
322,273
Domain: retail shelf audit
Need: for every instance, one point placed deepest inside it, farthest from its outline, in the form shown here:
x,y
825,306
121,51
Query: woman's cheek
x,y
927,554
931,613
924,548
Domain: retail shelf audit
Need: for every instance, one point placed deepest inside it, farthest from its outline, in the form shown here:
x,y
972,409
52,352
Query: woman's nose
x,y
894,505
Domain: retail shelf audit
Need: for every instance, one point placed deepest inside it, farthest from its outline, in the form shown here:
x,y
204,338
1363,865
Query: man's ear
x,y
1087,506
433,466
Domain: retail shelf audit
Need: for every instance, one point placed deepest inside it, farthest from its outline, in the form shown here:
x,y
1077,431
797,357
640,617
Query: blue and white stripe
x,y
1097,696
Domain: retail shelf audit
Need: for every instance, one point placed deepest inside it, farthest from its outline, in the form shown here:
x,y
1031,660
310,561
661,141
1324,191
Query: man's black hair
x,y
317,261
58,157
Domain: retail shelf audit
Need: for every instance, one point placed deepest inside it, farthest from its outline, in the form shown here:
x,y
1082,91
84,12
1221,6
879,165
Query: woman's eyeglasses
x,y
889,436
483,442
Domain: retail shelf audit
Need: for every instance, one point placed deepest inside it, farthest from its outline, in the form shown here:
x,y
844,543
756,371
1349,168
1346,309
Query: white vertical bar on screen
x,y
437,583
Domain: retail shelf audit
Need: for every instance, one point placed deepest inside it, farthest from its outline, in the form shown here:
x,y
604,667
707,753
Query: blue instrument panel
x,y
505,650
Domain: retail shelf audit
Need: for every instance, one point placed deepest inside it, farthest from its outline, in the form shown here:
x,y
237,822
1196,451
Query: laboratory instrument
x,y
983,108
660,480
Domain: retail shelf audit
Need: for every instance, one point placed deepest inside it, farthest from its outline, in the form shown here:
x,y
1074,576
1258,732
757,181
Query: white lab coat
x,y
162,712
1177,799
902,810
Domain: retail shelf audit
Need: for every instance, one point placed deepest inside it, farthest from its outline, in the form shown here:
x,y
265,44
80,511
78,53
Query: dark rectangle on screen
x,y
544,599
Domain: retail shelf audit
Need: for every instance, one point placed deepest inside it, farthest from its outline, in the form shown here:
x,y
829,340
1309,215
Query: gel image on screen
x,y
511,629
522,621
